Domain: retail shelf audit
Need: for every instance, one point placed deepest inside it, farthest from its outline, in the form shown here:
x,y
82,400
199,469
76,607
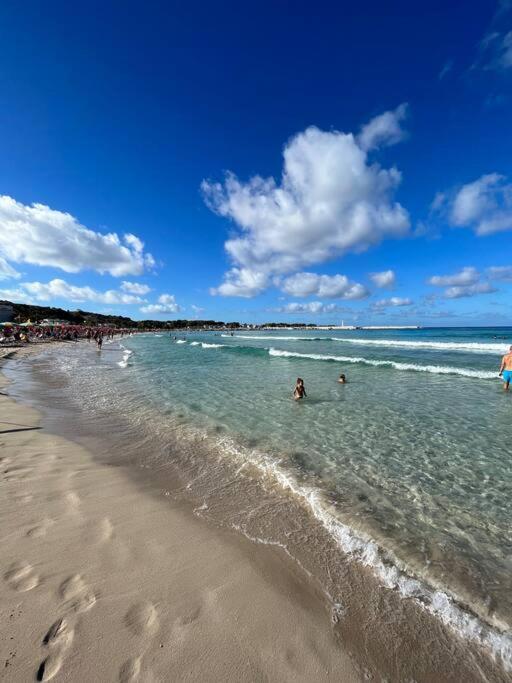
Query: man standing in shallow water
x,y
506,369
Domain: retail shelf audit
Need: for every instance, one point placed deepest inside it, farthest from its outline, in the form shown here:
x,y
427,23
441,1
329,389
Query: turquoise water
x,y
411,456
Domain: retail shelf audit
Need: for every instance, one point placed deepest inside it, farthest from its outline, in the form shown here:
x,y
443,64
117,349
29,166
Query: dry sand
x,y
100,581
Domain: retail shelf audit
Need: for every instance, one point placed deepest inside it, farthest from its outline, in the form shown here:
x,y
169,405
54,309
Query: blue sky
x,y
168,121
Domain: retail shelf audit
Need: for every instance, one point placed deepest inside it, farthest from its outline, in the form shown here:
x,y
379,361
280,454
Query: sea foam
x,y
434,369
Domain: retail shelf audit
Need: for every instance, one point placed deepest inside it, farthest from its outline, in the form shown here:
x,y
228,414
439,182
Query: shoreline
x,y
374,623
92,563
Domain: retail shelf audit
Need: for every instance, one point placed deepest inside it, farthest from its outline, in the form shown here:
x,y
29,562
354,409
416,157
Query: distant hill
x,y
25,312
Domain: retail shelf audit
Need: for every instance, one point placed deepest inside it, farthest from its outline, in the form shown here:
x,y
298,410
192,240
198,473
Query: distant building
x,y
6,313
54,321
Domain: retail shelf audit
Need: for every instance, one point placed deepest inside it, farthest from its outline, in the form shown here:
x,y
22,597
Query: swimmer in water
x,y
299,391
506,369
342,379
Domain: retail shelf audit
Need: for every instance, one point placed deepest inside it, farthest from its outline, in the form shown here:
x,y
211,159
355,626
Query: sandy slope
x,y
100,581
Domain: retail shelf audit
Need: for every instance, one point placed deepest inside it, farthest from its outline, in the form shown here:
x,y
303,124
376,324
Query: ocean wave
x,y
180,341
434,369
126,356
206,345
272,337
472,347
468,347
389,570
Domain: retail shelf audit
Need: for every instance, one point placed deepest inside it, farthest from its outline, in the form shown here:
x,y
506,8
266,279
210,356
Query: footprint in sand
x,y
40,529
21,577
142,618
100,532
59,634
49,667
74,588
130,670
17,473
73,499
105,530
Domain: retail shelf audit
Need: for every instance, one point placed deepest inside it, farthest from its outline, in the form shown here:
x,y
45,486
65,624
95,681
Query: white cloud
x,y
243,282
6,271
469,290
331,199
60,289
166,304
463,284
42,236
135,288
330,286
383,130
393,301
313,307
447,67
467,276
484,205
500,273
16,295
495,52
386,279
197,309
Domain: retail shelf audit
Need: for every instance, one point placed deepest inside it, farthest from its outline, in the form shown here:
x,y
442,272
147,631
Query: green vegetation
x,y
26,312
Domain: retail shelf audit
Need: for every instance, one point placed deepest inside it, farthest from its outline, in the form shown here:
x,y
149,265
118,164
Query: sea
x,y
407,467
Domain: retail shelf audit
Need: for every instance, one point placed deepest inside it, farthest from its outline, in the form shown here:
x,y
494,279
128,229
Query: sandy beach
x,y
102,582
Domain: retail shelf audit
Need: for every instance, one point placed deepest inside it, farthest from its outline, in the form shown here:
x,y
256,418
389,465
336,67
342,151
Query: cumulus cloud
x,y
483,205
331,199
386,279
17,295
60,289
465,283
467,276
469,290
329,286
500,273
6,271
384,130
166,304
393,301
42,236
313,307
135,288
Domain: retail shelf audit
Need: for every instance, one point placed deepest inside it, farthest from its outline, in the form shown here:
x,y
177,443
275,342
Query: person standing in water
x,y
299,391
506,369
342,379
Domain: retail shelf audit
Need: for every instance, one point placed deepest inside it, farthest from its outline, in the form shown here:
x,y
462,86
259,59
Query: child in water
x,y
299,391
342,379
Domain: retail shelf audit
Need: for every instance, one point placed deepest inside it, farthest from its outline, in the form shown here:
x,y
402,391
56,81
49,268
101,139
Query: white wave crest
x,y
180,341
472,347
126,356
262,336
211,346
386,566
434,369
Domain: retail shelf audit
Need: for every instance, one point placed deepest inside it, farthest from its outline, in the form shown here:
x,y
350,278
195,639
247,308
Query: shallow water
x,y
411,453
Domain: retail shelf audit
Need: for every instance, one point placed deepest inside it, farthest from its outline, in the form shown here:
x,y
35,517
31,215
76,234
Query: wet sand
x,y
100,581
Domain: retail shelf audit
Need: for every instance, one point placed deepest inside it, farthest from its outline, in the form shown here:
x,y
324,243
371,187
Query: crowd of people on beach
x,y
18,335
